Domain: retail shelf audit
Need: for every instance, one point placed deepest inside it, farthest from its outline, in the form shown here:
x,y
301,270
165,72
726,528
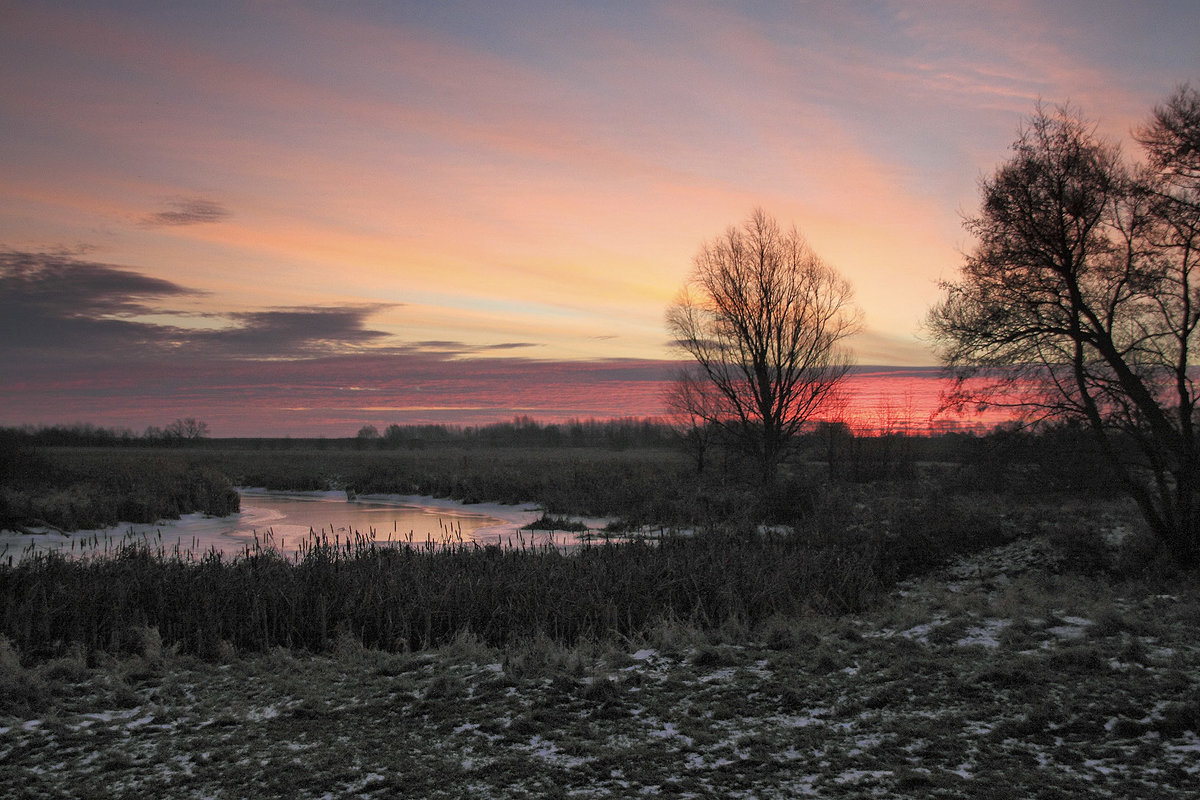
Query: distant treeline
x,y
521,432
79,435
83,434
616,434
1056,457
525,431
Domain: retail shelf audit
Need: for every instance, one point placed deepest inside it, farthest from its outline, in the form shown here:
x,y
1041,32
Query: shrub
x,y
71,494
548,522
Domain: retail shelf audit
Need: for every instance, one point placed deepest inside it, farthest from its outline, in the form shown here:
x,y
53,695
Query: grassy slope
x,y
1002,677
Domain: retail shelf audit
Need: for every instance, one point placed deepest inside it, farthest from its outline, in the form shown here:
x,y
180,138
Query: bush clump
x,y
71,495
550,522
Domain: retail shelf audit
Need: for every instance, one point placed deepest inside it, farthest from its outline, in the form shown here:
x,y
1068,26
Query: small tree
x,y
764,319
1078,300
691,405
835,439
186,429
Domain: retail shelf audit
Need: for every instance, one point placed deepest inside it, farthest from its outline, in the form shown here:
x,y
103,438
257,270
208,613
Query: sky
x,y
299,218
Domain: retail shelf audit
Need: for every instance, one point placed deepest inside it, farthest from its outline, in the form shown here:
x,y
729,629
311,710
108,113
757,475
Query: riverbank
x,y
1008,668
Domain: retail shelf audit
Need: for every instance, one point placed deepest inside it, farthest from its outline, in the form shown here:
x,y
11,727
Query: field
x,y
909,637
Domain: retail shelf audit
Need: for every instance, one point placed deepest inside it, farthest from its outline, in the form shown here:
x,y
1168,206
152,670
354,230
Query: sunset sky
x,y
297,218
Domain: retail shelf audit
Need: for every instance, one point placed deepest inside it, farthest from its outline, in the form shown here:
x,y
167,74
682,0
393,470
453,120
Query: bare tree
x,y
1077,302
187,428
764,319
692,403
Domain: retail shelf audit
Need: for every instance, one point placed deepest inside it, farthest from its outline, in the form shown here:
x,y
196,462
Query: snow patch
x,y
262,714
984,635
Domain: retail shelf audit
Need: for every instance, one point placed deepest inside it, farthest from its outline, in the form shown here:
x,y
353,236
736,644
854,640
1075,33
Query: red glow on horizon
x,y
336,397
906,402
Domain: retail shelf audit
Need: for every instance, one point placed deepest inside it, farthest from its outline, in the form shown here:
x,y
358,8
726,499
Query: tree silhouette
x,y
1078,300
188,428
763,318
692,403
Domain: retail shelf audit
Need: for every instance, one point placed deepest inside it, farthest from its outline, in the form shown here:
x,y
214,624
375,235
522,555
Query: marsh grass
x,y
637,488
413,597
724,580
639,484
550,522
73,490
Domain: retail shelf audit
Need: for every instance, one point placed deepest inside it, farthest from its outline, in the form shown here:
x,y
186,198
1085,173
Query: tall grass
x,y
410,597
70,490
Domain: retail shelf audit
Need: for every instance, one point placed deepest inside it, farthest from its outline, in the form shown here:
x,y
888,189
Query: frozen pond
x,y
291,517
287,521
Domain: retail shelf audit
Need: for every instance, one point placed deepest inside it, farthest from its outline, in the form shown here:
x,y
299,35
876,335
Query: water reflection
x,y
288,523
291,518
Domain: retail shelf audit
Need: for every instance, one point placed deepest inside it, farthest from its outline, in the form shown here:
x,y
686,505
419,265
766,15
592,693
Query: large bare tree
x,y
764,320
1078,302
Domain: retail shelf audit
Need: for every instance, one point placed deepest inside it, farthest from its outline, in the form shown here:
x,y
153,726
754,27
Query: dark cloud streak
x,y
295,332
187,211
86,341
449,348
66,286
69,310
50,302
